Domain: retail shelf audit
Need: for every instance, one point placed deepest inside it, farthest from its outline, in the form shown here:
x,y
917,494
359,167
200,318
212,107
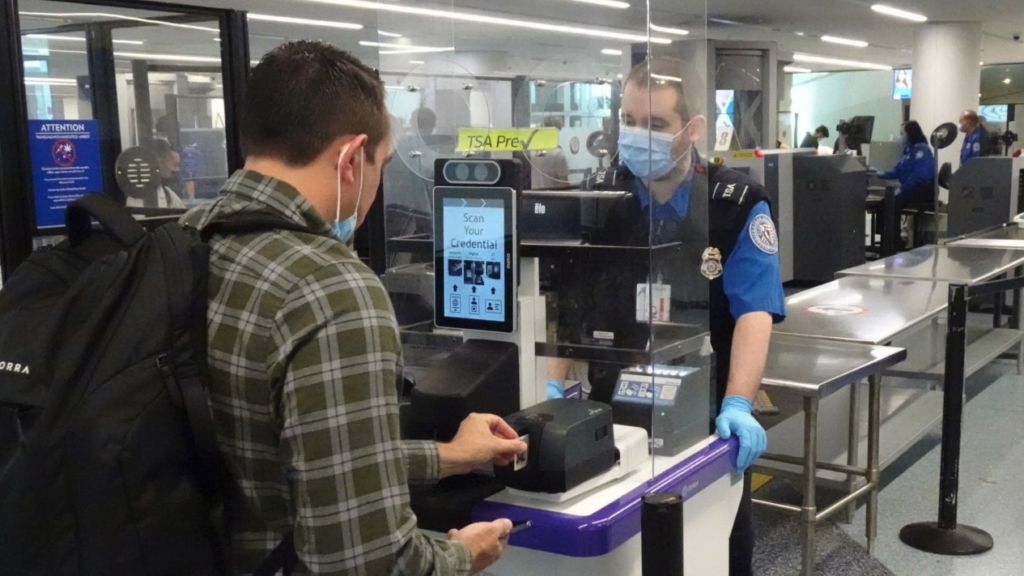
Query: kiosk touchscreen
x,y
475,258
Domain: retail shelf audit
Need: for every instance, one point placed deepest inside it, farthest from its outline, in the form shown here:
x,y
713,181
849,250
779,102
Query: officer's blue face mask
x,y
345,229
648,154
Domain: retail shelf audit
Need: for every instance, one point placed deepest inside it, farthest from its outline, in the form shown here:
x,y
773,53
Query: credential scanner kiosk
x,y
582,479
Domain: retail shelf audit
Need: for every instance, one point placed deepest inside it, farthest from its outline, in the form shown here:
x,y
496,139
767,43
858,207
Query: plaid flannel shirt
x,y
304,356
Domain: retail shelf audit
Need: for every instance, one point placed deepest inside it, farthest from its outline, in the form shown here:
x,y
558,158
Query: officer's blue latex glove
x,y
736,418
555,389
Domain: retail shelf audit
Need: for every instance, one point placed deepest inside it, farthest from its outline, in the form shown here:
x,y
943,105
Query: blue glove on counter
x,y
736,418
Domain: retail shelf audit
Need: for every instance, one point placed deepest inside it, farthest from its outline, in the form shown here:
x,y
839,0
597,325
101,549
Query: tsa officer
x,y
974,143
915,169
723,220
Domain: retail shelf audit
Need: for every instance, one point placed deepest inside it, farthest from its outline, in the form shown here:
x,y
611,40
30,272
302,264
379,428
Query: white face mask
x,y
345,230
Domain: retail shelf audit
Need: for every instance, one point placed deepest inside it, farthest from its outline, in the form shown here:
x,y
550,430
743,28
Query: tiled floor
x,y
991,497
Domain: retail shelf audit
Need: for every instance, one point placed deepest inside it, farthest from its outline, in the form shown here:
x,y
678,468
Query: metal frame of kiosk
x,y
524,315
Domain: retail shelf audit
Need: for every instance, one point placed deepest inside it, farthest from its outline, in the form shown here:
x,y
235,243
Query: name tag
x,y
653,302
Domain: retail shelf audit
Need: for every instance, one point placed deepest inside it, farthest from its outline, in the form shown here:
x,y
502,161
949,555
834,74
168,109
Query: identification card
x,y
653,302
521,459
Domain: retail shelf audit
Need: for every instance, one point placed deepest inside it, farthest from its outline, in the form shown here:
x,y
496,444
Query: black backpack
x,y
108,456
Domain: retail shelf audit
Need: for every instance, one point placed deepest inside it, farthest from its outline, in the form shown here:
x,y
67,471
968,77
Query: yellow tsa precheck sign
x,y
507,139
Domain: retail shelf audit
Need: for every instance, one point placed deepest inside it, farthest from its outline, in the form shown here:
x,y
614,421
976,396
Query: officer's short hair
x,y
971,116
823,131
303,96
659,72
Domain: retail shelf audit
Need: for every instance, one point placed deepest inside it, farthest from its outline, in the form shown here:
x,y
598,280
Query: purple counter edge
x,y
613,525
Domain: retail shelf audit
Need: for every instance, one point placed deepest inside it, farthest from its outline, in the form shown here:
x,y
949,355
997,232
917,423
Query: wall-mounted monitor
x,y
995,113
903,82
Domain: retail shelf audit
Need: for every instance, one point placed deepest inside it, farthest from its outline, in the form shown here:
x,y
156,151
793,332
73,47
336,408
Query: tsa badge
x,y
763,234
712,266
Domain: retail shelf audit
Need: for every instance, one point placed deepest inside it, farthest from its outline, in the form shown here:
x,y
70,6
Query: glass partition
x,y
163,98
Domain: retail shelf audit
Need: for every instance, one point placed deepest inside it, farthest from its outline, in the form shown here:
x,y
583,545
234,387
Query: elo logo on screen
x,y
474,172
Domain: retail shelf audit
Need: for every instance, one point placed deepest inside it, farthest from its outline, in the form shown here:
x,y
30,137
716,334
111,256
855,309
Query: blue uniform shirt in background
x,y
915,168
972,146
752,277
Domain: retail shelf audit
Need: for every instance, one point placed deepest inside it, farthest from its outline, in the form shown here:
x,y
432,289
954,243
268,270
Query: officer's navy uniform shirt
x,y
915,170
972,145
751,277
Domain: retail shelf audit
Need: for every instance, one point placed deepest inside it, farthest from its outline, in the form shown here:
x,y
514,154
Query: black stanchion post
x,y
661,535
946,537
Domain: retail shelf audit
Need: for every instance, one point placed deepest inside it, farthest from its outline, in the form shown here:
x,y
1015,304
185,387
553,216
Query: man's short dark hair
x,y
664,72
162,148
303,96
822,131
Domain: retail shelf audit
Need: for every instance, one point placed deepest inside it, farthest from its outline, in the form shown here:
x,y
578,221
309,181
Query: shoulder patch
x,y
977,146
734,192
763,234
920,154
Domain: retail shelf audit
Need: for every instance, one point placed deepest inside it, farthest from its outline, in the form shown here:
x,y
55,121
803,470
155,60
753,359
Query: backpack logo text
x,y
14,368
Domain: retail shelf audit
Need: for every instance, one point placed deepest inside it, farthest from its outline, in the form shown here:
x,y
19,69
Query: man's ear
x,y
698,127
347,149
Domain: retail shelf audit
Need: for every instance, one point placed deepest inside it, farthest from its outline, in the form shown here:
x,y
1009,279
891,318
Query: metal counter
x,y
816,369
1009,231
863,310
954,264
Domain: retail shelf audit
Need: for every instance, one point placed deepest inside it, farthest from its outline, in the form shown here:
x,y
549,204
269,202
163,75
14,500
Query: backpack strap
x,y
283,558
117,221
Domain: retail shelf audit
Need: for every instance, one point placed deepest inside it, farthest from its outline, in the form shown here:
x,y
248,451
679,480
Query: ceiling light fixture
x,y
404,48
839,62
51,82
666,78
667,30
305,21
171,57
417,62
896,12
388,34
493,20
845,41
74,39
725,21
605,3
611,52
106,15
797,70
1007,81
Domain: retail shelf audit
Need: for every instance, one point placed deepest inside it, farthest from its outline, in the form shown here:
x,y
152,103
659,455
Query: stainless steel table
x,y
954,264
816,369
1005,236
863,310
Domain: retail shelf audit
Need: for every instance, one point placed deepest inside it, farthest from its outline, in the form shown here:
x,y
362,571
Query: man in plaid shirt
x,y
304,349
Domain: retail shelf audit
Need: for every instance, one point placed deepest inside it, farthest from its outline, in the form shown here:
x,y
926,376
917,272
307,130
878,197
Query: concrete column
x,y
947,76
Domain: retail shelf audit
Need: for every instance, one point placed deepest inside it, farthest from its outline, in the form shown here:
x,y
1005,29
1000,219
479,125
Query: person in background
x,y
915,169
304,350
975,142
425,121
550,167
171,185
812,140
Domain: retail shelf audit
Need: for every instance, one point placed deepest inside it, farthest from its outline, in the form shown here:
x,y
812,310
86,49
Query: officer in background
x,y
976,142
722,219
915,169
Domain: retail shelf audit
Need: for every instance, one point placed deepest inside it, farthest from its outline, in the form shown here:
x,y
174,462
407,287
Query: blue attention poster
x,y
65,165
